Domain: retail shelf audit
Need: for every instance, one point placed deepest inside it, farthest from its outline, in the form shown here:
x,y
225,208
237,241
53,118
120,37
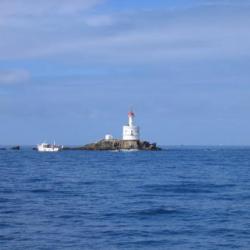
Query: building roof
x,y
131,113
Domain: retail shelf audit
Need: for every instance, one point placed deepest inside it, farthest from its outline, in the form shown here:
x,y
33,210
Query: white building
x,y
108,137
131,131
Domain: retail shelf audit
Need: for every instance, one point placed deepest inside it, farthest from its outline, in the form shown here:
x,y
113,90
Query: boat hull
x,y
48,148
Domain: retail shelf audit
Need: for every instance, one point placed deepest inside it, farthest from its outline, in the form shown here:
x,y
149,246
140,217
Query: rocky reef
x,y
115,144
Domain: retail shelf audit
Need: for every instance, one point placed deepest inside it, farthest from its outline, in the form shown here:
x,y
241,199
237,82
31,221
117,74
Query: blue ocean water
x,y
178,198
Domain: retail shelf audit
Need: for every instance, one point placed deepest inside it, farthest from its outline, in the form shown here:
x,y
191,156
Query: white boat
x,y
46,147
126,150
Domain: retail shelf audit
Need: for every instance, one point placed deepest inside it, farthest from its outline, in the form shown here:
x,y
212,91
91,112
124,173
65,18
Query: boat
x,y
125,150
46,147
129,150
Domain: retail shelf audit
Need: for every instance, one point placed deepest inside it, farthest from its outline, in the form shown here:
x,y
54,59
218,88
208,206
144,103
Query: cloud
x,y
14,76
184,64
156,36
99,20
44,7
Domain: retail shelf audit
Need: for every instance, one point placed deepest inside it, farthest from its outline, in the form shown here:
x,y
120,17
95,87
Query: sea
x,y
182,197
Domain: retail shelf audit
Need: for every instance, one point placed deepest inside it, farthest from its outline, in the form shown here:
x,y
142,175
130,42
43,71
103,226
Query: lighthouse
x,y
131,132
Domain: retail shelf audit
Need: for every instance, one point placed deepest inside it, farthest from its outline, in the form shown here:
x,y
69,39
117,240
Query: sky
x,y
71,70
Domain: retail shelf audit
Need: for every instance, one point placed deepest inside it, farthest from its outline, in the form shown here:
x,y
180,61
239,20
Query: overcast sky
x,y
71,70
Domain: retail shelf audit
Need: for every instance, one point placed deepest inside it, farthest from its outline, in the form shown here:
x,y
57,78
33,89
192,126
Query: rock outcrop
x,y
115,144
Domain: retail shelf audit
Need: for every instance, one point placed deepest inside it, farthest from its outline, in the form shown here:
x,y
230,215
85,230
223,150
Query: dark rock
x,y
115,144
16,148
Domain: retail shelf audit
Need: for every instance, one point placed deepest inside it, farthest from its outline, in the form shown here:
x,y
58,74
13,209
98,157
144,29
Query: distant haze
x,y
71,70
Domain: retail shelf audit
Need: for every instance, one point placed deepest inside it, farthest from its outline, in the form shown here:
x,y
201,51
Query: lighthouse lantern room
x,y
131,131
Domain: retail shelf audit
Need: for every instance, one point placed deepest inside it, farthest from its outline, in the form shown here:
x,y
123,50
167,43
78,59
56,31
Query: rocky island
x,y
130,140
119,145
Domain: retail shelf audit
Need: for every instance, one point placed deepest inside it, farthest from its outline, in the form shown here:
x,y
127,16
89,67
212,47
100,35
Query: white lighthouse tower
x,y
131,131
